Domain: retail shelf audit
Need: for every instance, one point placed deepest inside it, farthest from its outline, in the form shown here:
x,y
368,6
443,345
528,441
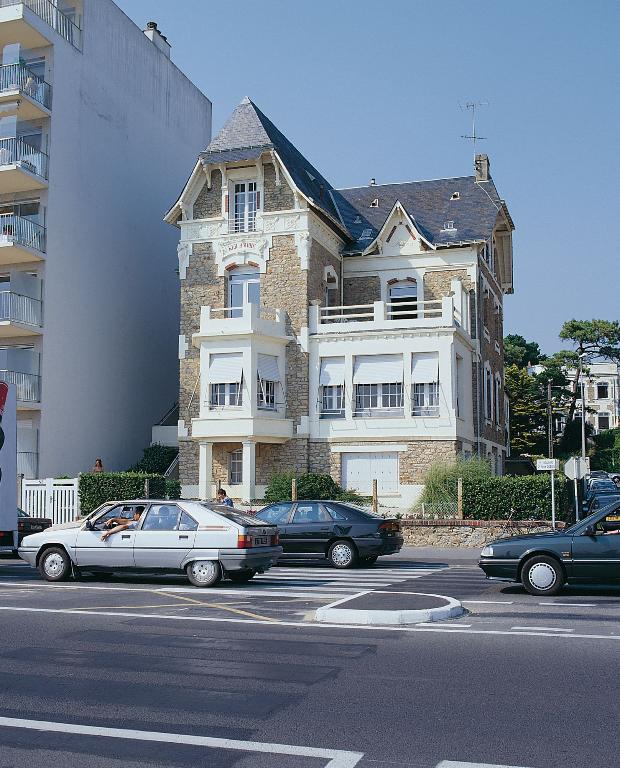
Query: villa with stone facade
x,y
356,332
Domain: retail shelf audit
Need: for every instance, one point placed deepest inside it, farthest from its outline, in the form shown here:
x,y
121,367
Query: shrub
x,y
155,459
309,486
441,479
173,489
494,498
98,487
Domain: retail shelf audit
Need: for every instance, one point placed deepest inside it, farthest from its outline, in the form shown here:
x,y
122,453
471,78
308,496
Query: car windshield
x,y
605,510
231,514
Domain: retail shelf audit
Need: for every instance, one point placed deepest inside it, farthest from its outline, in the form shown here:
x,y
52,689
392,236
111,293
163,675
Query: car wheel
x,y
366,561
204,573
54,564
542,576
342,554
240,577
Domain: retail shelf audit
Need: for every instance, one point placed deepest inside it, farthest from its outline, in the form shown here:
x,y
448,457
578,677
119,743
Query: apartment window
x,y
603,421
602,391
245,203
488,394
331,388
243,288
496,400
378,381
235,467
425,384
225,380
332,402
458,374
226,395
268,379
403,301
425,399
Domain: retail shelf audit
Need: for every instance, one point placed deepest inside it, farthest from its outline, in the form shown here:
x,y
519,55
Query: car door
x,y
164,538
310,528
278,514
115,552
596,551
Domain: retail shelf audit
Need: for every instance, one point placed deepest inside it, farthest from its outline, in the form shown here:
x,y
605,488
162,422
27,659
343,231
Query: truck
x,y
8,468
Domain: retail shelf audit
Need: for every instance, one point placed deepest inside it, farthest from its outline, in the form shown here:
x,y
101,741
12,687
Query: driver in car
x,y
114,521
125,525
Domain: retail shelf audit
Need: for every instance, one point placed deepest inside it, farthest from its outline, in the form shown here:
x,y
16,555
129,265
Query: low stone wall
x,y
464,533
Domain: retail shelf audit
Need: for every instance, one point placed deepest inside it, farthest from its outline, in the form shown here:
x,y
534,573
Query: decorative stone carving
x,y
241,250
183,252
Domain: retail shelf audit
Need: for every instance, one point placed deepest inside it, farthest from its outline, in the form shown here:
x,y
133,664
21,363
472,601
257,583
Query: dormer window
x,y
375,203
244,207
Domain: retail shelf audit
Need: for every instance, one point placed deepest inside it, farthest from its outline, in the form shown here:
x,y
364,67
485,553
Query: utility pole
x,y
550,419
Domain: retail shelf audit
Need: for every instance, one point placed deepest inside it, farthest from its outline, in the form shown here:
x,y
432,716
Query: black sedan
x,y
341,532
544,562
26,524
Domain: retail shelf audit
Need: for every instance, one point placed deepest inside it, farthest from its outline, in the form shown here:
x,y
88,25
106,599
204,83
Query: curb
x,y
336,615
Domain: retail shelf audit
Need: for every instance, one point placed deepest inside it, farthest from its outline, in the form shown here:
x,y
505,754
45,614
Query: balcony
x,y
19,315
22,167
21,240
30,93
30,22
249,320
27,386
383,316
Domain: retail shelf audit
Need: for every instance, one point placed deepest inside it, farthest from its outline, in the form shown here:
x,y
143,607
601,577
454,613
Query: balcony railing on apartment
x,y
22,231
28,464
53,16
19,309
16,151
17,77
27,385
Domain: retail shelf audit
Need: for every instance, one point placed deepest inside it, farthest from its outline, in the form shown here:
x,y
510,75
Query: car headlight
x,y
487,552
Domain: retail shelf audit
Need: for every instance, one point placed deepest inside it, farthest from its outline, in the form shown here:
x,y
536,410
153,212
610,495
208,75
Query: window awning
x,y
425,367
378,369
268,368
332,372
225,368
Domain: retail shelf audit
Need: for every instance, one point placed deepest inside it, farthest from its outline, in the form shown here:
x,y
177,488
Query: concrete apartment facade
x,y
97,126
602,396
356,332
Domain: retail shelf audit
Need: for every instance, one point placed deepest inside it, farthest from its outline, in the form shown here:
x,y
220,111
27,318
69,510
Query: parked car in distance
x,y
342,533
26,524
205,541
544,562
599,490
598,501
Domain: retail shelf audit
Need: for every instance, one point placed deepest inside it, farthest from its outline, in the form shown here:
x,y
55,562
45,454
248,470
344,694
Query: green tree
x,y
155,459
520,352
528,411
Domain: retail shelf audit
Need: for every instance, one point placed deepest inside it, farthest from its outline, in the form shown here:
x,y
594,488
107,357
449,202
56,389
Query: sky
x,y
369,88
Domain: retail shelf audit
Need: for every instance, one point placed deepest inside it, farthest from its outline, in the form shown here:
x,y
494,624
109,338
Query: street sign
x,y
549,464
575,468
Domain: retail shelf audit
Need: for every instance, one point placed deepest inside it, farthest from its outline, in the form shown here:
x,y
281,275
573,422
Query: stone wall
x,y
209,201
461,533
277,198
420,455
438,284
320,258
361,290
323,461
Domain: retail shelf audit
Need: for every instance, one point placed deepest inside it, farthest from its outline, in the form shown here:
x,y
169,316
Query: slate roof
x,y
430,206
248,133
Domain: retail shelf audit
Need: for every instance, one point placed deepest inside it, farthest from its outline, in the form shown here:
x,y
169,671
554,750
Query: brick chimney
x,y
156,37
483,168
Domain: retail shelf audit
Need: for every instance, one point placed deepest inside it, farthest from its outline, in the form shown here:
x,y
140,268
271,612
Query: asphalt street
x,y
149,671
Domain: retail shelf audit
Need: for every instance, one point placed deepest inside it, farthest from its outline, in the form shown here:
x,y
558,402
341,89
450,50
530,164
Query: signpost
x,y
576,469
550,465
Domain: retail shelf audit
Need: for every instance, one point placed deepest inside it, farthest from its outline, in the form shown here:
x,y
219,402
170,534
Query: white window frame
x,y
403,310
383,393
266,394
235,467
244,219
605,414
222,395
244,276
425,398
331,404
496,399
602,384
488,394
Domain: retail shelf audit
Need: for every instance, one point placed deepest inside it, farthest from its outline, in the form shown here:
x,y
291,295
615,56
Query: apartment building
x,y
602,395
97,125
351,331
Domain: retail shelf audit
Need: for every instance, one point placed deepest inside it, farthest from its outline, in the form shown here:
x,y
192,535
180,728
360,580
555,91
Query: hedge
x,y
98,487
173,489
309,486
529,496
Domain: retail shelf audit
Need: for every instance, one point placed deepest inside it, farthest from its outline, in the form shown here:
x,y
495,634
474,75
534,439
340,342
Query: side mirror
x,y
590,530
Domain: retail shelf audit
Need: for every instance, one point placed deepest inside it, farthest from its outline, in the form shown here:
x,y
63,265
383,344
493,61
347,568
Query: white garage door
x,y
360,469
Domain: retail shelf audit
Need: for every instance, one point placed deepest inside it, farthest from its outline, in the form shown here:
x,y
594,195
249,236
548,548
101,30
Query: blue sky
x,y
372,89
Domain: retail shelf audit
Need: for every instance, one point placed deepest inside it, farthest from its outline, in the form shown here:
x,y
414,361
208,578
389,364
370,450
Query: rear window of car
x,y
236,517
276,513
346,512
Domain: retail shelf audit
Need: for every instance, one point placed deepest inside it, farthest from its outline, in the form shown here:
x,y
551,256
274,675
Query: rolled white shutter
x,y
425,368
225,368
332,371
268,368
378,369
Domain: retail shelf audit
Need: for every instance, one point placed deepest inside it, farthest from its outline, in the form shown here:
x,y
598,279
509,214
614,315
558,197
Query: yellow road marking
x,y
221,607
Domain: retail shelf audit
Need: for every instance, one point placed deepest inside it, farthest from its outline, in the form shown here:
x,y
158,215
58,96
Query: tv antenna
x,y
473,106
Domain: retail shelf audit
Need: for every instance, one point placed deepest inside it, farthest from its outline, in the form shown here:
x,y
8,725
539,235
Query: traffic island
x,y
382,608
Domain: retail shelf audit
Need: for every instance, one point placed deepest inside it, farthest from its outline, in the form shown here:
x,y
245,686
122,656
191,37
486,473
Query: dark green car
x,y
544,562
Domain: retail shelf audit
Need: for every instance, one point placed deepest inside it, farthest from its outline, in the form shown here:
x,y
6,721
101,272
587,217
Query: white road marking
x,y
572,605
488,602
337,758
452,764
449,629
545,629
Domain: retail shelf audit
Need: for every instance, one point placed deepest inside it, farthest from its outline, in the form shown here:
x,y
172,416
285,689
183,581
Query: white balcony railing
x,y
18,77
240,321
22,231
16,151
27,385
16,308
52,15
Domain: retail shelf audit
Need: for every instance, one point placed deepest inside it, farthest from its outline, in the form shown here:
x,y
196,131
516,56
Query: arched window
x,y
403,300
243,288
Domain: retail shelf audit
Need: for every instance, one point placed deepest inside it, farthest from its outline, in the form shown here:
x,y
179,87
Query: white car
x,y
207,541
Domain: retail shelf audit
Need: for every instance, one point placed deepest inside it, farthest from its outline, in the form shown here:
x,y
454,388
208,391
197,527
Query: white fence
x,y
56,499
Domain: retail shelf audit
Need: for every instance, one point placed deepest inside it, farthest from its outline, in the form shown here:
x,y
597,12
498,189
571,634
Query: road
x,y
151,672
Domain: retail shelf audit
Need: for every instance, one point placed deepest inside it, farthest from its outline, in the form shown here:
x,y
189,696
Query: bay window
x,y
225,380
268,376
425,384
378,381
331,388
